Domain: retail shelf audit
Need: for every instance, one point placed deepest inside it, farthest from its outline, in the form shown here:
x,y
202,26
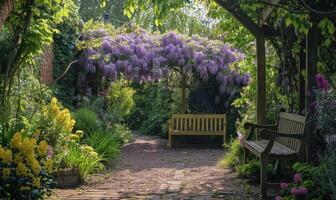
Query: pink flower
x,y
284,186
296,192
50,152
278,198
303,190
241,137
297,178
321,82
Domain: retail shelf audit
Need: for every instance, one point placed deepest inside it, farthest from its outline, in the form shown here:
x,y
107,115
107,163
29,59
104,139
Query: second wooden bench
x,y
197,124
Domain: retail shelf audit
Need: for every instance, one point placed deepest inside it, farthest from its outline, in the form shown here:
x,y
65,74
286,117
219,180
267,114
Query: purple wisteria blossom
x,y
143,57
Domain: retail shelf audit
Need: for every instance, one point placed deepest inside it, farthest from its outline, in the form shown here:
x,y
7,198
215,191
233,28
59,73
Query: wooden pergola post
x,y
261,79
312,42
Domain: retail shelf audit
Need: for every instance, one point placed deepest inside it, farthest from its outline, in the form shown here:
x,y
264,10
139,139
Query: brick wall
x,y
47,66
5,9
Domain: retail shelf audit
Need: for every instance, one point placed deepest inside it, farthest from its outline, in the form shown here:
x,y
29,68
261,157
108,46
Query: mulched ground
x,y
149,170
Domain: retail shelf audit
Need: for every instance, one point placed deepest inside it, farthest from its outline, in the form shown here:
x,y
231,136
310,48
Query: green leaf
x,y
157,22
288,21
331,27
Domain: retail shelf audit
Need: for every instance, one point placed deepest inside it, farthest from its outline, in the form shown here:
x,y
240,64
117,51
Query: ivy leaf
x,y
157,22
288,21
331,27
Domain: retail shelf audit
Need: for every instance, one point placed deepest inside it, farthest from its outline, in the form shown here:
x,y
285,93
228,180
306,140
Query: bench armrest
x,y
252,128
271,140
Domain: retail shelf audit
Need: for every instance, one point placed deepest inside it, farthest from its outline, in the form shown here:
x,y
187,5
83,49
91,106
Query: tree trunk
x,y
5,9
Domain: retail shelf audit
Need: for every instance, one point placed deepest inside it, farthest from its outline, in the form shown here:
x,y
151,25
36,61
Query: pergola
x,y
262,30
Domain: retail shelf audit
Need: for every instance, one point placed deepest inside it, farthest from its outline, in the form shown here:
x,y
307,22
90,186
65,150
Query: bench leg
x,y
246,154
263,178
170,140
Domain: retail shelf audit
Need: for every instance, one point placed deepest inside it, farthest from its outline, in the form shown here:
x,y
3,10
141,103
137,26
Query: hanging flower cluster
x,y
144,57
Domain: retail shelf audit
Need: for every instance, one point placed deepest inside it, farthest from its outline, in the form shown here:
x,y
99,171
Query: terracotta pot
x,y
66,178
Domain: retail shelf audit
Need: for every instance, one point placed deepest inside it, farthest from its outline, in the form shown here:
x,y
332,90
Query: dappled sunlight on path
x,y
148,170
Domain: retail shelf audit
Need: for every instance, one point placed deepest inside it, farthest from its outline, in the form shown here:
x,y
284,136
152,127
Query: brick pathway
x,y
148,170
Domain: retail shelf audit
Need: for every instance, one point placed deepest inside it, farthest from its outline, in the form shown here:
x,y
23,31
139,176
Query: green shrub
x,y
84,158
326,173
235,155
121,133
303,185
251,168
153,106
119,101
86,119
104,144
234,159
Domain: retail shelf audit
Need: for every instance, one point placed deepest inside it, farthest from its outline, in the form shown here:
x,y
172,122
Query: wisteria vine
x,y
144,57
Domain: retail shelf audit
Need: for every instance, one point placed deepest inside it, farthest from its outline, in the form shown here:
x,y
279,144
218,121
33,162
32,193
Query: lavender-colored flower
x,y
297,178
321,82
278,198
297,192
284,186
241,138
50,151
142,57
106,46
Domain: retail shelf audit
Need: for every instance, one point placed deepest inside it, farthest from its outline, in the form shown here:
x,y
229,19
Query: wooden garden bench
x,y
285,142
197,124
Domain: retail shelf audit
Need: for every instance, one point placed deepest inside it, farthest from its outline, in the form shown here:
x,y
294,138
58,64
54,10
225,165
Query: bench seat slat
x,y
278,149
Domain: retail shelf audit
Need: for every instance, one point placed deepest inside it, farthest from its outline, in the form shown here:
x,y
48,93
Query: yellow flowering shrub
x,y
25,169
56,125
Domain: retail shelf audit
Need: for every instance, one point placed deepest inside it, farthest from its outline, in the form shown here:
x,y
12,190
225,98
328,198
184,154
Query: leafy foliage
x,y
104,143
84,158
28,29
86,119
252,169
121,133
234,156
119,100
303,186
153,107
325,107
108,11
326,174
64,46
160,9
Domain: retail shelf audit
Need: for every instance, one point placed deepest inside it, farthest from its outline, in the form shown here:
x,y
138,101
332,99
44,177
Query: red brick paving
x,y
148,170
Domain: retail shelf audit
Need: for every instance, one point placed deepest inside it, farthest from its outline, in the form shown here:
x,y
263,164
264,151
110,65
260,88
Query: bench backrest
x,y
291,124
198,122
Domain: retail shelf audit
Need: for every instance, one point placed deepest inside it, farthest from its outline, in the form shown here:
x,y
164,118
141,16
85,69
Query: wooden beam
x,y
267,11
234,9
261,80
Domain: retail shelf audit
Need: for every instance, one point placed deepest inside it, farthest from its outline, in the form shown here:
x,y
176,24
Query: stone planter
x,y
66,178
